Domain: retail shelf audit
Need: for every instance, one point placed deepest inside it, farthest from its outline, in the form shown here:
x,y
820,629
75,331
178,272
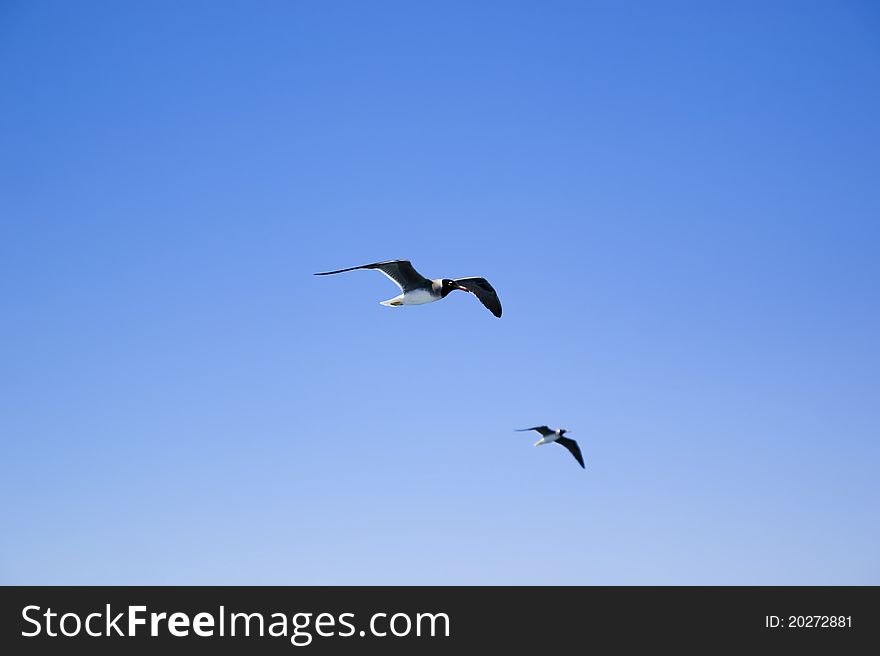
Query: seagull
x,y
418,290
549,435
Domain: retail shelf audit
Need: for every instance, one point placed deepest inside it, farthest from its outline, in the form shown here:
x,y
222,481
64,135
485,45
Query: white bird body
x,y
412,297
549,439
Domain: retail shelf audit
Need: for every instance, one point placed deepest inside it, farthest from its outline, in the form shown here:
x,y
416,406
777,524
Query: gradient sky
x,y
678,202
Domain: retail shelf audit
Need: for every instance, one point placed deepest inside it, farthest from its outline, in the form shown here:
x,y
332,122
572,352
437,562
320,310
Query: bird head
x,y
447,285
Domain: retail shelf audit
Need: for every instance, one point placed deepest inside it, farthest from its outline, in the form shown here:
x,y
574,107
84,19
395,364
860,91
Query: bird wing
x,y
572,446
543,430
481,288
400,271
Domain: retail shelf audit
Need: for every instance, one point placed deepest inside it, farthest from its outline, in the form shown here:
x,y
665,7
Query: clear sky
x,y
678,203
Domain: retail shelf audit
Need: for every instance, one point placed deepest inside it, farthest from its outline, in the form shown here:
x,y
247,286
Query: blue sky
x,y
183,402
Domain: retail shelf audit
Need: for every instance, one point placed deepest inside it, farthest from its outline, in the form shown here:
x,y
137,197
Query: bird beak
x,y
462,289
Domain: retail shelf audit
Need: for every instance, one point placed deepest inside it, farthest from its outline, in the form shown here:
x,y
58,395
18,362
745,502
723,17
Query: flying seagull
x,y
418,290
549,435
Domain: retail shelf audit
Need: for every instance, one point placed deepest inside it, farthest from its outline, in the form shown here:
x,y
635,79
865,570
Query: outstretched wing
x,y
572,446
481,288
543,430
400,271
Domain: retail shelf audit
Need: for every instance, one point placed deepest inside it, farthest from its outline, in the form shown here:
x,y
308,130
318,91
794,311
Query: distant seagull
x,y
418,290
549,435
